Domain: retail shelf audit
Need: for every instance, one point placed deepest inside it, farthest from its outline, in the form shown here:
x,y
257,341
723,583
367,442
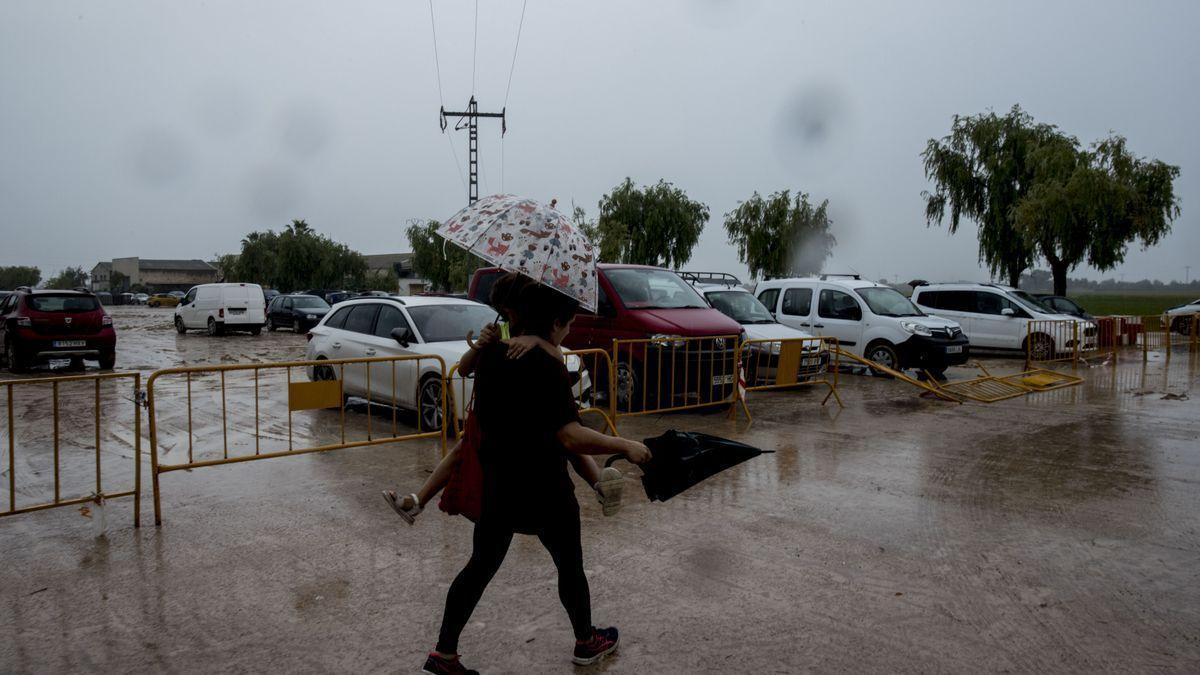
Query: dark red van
x,y
637,302
38,326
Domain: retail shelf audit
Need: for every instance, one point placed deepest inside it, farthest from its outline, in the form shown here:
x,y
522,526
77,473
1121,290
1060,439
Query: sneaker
x,y
602,643
407,508
609,490
440,665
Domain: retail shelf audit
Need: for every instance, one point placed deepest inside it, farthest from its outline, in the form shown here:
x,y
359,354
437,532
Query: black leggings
x,y
491,542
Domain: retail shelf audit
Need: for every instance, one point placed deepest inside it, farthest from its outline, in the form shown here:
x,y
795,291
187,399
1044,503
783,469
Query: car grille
x,y
946,333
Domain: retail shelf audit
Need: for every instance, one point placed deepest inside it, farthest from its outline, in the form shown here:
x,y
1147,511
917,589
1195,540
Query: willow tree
x,y
781,236
981,171
1089,205
652,225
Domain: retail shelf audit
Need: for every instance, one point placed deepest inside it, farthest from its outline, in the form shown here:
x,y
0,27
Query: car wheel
x,y
884,354
429,404
108,360
323,373
1041,349
271,325
214,328
257,330
15,363
1182,325
179,327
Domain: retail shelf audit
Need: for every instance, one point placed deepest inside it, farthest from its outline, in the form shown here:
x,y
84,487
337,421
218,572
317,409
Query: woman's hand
x,y
518,346
637,452
489,335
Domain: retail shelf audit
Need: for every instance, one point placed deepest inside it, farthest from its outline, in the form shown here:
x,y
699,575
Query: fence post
x,y
1075,343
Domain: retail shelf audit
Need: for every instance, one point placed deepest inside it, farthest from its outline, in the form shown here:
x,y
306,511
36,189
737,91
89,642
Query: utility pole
x,y
469,120
1187,274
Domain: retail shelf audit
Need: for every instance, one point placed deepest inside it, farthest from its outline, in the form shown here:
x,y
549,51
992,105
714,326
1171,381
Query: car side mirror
x,y
403,335
1007,311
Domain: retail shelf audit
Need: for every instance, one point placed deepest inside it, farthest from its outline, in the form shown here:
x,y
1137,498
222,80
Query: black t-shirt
x,y
521,404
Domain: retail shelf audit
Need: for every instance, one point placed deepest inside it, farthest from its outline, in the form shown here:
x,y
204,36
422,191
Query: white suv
x,y
1181,317
868,319
998,317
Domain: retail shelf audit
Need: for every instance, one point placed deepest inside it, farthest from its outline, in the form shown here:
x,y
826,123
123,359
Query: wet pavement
x,y
1056,531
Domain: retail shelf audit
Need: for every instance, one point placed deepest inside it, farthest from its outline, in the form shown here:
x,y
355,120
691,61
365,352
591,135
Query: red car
x,y
635,302
38,326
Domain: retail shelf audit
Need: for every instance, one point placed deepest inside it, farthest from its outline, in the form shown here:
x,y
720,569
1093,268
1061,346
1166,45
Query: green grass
x,y
1136,303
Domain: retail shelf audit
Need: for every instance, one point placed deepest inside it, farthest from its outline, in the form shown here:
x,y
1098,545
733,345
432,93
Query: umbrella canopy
x,y
681,459
521,235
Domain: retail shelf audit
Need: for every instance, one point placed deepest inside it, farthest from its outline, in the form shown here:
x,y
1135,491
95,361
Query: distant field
x,y
1140,303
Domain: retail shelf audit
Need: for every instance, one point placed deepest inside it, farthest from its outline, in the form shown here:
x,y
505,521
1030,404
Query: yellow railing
x,y
1054,340
56,386
658,375
788,363
329,384
1163,332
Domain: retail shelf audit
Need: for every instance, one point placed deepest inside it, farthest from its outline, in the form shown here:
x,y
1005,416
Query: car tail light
x,y
221,313
24,321
308,336
106,320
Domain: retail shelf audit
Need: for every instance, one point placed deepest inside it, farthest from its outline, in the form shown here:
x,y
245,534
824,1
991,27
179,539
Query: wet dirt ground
x,y
1057,531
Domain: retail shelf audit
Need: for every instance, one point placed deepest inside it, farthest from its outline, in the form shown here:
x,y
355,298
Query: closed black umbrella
x,y
680,459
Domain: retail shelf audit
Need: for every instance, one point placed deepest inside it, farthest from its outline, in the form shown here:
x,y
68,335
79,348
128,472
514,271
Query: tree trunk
x,y
1014,275
1058,268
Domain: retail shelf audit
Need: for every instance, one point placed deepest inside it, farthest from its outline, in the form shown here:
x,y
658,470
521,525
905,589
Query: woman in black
x,y
529,420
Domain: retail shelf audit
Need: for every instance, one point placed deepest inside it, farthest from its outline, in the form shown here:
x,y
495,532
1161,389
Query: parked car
x,y
761,359
140,298
104,297
270,294
42,325
4,294
366,327
998,318
178,294
1061,304
868,319
637,302
126,299
219,308
1181,317
295,311
162,300
334,297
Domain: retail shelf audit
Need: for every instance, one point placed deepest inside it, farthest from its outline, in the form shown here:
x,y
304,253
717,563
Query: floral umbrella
x,y
520,235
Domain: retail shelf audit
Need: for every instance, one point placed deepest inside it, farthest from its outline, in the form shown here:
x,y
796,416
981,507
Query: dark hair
x,y
505,292
540,307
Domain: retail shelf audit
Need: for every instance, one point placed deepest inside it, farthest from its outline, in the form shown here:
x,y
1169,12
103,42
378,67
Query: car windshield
x,y
69,304
886,301
1031,303
740,306
309,302
447,323
653,289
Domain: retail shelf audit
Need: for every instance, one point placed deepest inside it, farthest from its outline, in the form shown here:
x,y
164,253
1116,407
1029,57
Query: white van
x,y
870,320
998,317
221,307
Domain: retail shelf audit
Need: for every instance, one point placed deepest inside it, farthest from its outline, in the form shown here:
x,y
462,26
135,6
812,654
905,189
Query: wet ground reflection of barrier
x,y
76,390
768,364
668,374
321,398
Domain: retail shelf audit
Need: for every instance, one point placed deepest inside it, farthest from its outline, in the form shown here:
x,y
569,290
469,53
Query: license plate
x,y
237,311
810,361
956,349
70,343
722,379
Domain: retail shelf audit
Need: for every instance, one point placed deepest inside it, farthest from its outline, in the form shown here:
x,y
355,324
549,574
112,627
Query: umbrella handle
x,y
612,460
471,339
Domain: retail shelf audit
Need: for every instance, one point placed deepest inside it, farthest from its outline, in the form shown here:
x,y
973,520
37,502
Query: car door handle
x,y
806,324
337,345
818,325
370,352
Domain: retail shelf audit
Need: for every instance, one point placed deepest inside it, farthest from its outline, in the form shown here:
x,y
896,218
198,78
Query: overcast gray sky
x,y
170,129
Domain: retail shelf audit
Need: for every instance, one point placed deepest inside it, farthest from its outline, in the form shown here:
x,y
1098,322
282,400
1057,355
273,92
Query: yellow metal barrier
x,y
1049,341
1163,332
667,374
768,364
56,387
331,383
587,368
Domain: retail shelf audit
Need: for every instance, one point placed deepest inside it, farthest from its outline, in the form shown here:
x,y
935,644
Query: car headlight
x,y
664,340
916,328
310,317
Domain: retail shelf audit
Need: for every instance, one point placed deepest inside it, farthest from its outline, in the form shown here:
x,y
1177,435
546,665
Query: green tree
x,y
11,277
71,277
1089,205
382,280
445,266
780,236
297,257
118,281
652,225
982,170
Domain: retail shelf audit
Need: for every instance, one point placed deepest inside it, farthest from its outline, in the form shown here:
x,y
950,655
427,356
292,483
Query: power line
x,y
514,59
437,63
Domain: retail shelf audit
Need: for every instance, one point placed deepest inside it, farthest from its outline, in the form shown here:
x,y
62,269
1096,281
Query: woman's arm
x,y
518,346
581,440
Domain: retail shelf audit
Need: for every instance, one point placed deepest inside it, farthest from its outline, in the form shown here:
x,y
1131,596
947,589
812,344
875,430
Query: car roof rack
x,y
722,278
856,277
23,289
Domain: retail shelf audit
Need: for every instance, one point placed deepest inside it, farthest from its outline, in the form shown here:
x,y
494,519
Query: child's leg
x,y
586,467
608,484
434,483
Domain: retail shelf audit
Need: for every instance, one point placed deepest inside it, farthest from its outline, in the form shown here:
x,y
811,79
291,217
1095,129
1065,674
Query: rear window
x,y
361,319
339,318
67,304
